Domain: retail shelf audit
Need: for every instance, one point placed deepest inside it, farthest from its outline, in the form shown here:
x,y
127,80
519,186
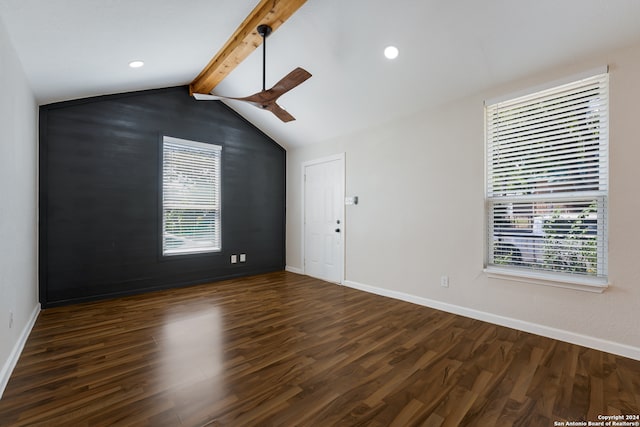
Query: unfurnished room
x,y
319,213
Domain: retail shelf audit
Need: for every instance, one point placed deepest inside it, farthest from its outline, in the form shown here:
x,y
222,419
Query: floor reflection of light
x,y
191,350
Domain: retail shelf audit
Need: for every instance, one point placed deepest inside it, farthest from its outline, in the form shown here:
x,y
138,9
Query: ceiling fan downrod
x,y
264,30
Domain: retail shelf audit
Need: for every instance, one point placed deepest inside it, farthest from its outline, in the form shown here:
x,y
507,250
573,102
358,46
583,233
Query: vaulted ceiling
x,y
448,49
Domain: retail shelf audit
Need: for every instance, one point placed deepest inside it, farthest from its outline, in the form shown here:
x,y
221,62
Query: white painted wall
x,y
18,207
420,181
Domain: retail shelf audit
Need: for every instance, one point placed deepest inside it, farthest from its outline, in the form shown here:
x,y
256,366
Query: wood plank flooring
x,y
287,350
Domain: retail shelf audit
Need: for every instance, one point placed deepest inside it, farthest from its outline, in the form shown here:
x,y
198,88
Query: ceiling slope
x,y
448,50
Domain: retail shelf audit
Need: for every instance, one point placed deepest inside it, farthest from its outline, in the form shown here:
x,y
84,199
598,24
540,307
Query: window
x,y
190,197
547,183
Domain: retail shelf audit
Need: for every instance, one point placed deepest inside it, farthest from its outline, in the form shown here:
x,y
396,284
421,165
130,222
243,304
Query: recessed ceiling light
x,y
136,64
391,52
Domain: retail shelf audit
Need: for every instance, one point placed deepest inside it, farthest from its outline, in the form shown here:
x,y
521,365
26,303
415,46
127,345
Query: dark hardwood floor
x,y
287,350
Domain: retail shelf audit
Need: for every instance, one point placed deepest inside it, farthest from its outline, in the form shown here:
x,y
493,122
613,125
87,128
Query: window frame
x,y
588,282
215,149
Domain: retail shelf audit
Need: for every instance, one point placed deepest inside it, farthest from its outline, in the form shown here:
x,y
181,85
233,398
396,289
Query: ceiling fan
x,y
266,98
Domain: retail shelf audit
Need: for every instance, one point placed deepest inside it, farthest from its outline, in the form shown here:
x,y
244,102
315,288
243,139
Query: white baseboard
x,y
294,269
11,362
534,328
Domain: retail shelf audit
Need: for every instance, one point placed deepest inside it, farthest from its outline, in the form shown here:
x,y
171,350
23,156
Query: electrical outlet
x,y
10,319
234,259
243,257
444,281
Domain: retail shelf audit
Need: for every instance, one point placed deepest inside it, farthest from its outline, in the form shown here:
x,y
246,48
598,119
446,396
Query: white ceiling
x,y
448,48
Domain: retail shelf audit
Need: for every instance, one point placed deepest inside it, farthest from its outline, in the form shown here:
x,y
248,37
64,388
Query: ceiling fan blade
x,y
253,99
208,97
257,99
280,112
291,80
260,100
288,82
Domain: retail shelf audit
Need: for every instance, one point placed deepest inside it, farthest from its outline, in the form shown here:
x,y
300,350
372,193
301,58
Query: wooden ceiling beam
x,y
243,41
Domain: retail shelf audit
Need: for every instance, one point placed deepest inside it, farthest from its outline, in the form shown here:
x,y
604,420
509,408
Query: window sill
x,y
586,284
190,252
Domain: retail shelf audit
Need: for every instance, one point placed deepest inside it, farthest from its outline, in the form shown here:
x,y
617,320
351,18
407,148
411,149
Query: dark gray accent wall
x,y
100,223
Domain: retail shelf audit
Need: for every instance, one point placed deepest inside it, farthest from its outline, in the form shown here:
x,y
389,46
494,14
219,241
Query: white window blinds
x,y
547,179
190,196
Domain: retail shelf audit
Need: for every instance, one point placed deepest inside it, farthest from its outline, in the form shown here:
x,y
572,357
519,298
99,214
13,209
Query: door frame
x,y
336,157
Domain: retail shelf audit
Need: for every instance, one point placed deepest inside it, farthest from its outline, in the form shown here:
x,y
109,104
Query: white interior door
x,y
324,219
